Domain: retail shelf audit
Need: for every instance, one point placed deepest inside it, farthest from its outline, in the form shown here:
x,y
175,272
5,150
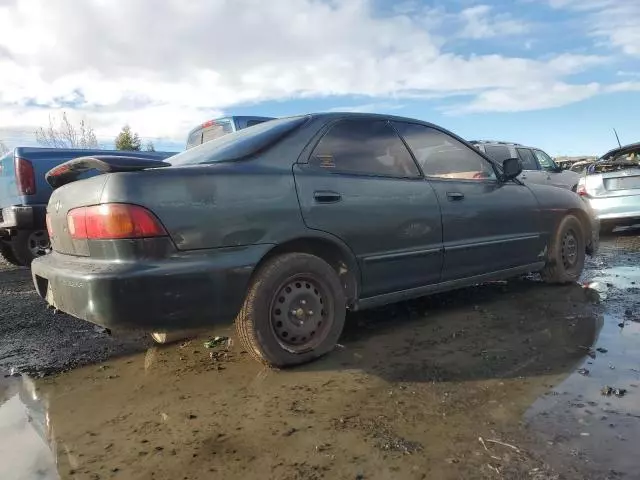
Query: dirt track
x,y
408,393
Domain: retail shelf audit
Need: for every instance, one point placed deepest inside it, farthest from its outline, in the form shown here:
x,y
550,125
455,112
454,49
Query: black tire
x,y
7,256
287,281
24,249
566,253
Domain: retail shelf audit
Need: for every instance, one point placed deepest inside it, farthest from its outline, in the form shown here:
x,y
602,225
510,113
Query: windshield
x,y
239,144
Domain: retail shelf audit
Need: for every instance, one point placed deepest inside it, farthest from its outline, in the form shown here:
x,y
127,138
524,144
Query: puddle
x,y
24,450
408,394
575,419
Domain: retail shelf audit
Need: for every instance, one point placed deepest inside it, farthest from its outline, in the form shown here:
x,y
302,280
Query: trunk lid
x,y
71,191
619,183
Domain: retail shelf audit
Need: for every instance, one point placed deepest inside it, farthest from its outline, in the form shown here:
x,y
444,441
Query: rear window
x,y
239,144
499,153
211,132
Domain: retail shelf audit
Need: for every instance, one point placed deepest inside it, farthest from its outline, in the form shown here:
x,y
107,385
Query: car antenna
x,y
617,138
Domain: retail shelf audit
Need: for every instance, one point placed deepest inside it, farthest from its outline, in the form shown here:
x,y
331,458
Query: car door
x,y
488,225
361,185
531,171
553,174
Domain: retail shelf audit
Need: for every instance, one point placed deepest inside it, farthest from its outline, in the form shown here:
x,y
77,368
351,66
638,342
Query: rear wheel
x,y
6,255
27,245
294,311
567,251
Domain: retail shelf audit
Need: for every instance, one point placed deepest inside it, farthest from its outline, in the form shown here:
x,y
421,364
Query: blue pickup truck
x,y
24,195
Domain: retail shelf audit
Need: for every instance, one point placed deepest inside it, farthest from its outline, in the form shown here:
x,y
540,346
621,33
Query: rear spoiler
x,y
68,172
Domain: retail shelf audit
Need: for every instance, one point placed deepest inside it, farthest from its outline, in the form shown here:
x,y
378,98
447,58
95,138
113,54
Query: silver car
x,y
611,185
537,166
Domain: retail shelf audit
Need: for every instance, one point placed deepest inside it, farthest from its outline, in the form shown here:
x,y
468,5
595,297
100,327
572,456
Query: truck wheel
x,y
28,245
294,311
566,255
6,255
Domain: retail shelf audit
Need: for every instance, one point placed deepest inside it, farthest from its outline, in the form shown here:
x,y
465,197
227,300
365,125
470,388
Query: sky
x,y
555,74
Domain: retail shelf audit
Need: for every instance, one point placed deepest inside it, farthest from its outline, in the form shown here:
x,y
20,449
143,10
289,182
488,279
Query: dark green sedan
x,y
284,226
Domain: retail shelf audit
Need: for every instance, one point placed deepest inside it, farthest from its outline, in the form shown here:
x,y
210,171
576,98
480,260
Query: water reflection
x,y
25,452
577,421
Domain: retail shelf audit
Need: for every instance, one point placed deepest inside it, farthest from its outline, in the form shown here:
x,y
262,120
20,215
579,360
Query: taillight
x,y
25,177
581,190
113,221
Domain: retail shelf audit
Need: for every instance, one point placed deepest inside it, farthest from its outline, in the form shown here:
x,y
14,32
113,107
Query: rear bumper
x,y
616,208
188,290
23,217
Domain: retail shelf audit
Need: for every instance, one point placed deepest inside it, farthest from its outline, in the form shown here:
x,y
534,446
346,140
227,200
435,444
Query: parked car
x,y
611,185
537,166
212,129
581,167
24,194
286,225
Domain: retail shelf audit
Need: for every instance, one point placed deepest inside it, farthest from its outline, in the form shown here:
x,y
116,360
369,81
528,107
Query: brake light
x,y
581,190
25,177
112,221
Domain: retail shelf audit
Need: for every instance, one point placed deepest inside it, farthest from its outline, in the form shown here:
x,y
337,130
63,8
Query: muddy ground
x,y
498,381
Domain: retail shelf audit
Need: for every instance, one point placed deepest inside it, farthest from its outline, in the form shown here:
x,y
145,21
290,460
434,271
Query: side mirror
x,y
511,168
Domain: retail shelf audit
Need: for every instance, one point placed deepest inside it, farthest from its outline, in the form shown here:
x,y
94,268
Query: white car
x,y
611,186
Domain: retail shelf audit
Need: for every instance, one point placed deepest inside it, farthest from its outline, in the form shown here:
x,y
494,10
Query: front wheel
x,y
567,251
294,311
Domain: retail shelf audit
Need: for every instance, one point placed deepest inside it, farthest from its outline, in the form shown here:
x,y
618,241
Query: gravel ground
x,y
36,341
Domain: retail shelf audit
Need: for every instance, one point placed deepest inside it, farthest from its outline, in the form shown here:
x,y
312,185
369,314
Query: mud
x,y
480,383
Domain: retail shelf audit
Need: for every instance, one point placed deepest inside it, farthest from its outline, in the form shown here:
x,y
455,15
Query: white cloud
x,y
163,66
481,22
538,96
615,21
368,107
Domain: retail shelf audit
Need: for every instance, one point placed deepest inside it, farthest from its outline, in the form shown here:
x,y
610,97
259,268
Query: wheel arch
x,y
331,250
585,221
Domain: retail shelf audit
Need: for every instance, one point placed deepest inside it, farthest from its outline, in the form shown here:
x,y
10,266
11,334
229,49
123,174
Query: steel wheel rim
x,y
39,243
301,313
569,249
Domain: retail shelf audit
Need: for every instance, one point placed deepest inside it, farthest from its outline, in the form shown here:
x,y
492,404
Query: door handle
x,y
523,176
455,196
326,197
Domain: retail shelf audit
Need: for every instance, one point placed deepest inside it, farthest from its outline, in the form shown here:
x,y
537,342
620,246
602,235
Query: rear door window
x,y
499,153
527,159
365,147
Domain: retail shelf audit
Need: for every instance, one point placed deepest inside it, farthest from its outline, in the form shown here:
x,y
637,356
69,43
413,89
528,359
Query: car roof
x,y
500,143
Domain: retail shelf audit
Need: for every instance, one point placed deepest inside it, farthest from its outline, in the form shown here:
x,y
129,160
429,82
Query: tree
x,y
128,140
150,147
67,135
3,148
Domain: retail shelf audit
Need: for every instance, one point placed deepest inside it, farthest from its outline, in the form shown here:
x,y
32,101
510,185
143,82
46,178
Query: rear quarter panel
x,y
215,205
